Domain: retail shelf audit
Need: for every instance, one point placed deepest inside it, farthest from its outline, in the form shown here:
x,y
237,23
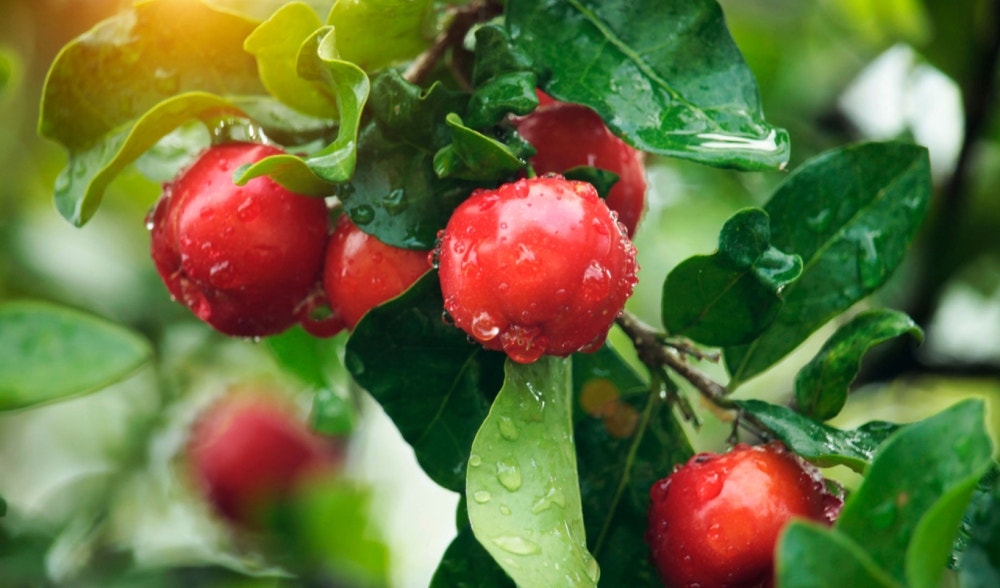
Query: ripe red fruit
x,y
362,272
715,521
249,450
571,135
242,258
537,266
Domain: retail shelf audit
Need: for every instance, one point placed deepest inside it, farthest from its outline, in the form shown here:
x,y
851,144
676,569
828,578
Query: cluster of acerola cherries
x,y
536,266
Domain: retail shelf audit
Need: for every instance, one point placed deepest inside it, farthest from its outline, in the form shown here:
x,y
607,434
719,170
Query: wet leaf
x,y
665,76
732,296
850,214
821,386
504,81
408,113
522,487
980,561
908,509
374,34
51,352
813,556
275,44
474,156
427,376
627,438
133,66
466,564
822,444
315,174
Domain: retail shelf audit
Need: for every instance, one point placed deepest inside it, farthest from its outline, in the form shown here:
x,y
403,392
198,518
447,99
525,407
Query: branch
x,y
462,20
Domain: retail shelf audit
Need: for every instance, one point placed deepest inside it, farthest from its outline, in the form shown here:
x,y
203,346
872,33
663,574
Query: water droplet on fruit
x,y
395,202
447,319
222,275
362,215
517,545
710,486
482,497
248,210
523,344
596,284
484,327
508,430
509,474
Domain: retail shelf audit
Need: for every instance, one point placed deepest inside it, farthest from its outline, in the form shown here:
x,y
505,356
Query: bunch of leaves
x,y
554,460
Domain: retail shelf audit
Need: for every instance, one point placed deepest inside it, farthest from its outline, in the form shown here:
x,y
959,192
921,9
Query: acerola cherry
x,y
715,521
537,266
362,272
249,450
242,258
571,135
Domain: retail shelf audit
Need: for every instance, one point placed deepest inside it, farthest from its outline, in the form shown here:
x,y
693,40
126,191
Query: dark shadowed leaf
x,y
821,386
427,376
666,76
467,564
51,352
627,438
850,214
522,487
980,561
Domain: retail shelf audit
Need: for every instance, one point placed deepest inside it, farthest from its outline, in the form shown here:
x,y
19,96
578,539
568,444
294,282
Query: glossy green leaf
x,y
732,296
601,179
627,438
505,83
51,352
474,156
377,33
467,564
821,386
907,511
139,60
666,76
316,173
980,563
427,376
408,113
275,44
396,195
850,214
522,486
822,444
813,556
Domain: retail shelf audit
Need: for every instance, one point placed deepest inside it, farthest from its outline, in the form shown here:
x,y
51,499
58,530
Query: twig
x,y
462,20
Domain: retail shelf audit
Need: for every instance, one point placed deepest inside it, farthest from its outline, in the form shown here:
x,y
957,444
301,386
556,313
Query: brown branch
x,y
463,18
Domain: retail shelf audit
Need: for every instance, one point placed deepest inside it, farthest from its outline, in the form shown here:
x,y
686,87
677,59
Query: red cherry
x,y
249,450
242,258
715,521
571,135
362,272
537,266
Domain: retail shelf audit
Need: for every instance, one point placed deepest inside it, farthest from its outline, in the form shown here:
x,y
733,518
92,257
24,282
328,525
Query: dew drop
x,y
710,487
509,474
484,327
248,211
883,515
475,461
363,214
508,430
596,285
554,496
517,545
395,202
482,496
505,510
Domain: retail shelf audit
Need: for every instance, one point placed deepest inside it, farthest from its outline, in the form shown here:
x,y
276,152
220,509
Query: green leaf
x,y
665,76
377,33
103,81
474,156
396,195
408,113
822,444
627,438
315,174
821,386
522,483
466,564
850,213
601,179
980,563
813,556
275,44
427,376
732,296
907,511
505,83
7,63
51,352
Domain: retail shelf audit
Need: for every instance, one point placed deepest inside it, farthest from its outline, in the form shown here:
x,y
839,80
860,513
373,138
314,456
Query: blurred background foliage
x,y
92,484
